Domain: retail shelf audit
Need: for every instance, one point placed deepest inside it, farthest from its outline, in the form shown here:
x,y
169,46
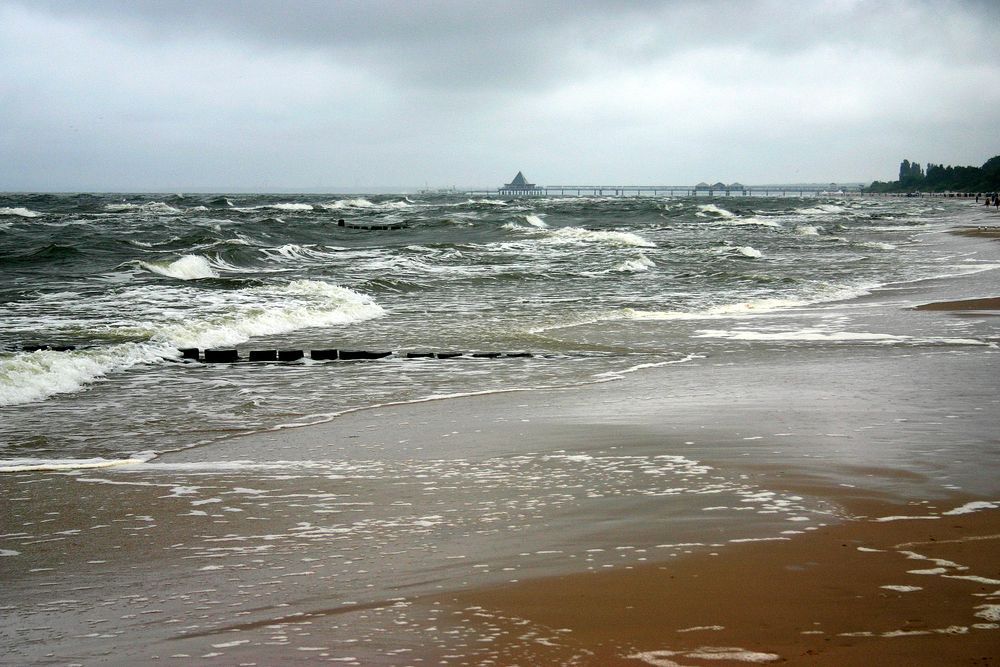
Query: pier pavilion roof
x,y
519,182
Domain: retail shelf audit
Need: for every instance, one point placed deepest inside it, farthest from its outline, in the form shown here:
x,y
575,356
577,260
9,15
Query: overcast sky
x,y
258,95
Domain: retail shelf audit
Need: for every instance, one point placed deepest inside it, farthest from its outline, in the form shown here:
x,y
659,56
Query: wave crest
x,y
188,267
580,235
298,305
20,212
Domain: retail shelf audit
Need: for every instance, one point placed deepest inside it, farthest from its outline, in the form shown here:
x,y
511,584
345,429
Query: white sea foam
x,y
990,612
487,202
288,206
711,210
54,465
580,235
663,658
295,252
804,334
535,221
753,220
20,212
832,336
749,251
716,312
974,506
26,377
148,207
278,309
807,230
188,267
635,265
341,204
820,209
902,589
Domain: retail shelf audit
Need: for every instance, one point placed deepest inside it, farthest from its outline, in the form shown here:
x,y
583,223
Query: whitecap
x,y
580,235
487,202
148,207
188,267
289,206
27,377
711,210
357,202
278,309
638,264
807,230
760,222
877,245
296,252
749,251
20,212
820,209
535,221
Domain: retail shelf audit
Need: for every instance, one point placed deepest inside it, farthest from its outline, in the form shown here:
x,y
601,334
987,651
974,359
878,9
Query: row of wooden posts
x,y
230,356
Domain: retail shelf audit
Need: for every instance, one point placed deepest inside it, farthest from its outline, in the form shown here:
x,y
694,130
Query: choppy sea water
x,y
593,287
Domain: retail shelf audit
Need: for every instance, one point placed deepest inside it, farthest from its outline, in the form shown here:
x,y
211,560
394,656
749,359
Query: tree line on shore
x,y
939,178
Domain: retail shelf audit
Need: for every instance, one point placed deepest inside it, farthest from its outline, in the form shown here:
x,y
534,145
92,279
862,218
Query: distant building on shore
x,y
520,186
720,187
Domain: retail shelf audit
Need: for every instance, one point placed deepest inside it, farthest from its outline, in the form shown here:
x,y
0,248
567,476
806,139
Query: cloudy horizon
x,y
323,96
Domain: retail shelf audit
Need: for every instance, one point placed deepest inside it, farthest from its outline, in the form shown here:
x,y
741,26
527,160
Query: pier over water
x,y
672,190
520,187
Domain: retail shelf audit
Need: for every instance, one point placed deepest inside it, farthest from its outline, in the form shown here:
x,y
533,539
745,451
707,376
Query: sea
x,y
123,464
128,280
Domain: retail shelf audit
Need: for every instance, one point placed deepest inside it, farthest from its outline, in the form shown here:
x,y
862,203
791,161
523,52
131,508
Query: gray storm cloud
x,y
259,95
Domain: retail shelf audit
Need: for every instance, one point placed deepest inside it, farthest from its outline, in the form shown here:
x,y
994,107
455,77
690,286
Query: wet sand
x,y
992,303
924,590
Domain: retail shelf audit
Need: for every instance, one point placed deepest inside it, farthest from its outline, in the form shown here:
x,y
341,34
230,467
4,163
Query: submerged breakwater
x,y
100,293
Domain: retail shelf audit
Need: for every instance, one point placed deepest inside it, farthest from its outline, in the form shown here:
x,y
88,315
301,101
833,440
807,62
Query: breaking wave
x,y
188,267
580,235
26,377
148,207
20,212
273,310
640,263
